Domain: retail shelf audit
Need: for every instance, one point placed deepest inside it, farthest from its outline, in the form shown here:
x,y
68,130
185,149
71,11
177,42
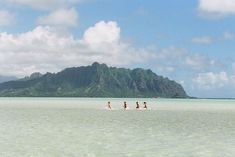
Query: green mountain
x,y
97,80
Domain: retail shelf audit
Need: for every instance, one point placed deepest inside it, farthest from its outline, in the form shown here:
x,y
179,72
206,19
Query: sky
x,y
191,42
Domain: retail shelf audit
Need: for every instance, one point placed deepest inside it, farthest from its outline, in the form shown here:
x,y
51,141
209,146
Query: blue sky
x,y
190,41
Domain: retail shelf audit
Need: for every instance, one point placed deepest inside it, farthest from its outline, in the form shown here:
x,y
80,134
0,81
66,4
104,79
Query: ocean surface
x,y
83,127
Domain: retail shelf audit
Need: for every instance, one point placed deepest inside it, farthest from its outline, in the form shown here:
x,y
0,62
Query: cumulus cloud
x,y
61,17
43,4
102,32
212,80
50,49
216,8
6,18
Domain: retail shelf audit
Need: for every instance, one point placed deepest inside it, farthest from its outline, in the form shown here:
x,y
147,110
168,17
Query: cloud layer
x,y
61,18
217,8
43,4
50,49
211,80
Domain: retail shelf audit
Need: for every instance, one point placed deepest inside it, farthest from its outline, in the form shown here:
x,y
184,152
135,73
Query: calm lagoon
x,y
82,127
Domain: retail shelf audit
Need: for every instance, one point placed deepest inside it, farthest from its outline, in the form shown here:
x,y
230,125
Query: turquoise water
x,y
69,127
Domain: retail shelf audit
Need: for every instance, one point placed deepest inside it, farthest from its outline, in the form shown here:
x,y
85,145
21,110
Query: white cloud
x,y
43,4
228,36
6,18
202,63
212,80
203,40
199,62
194,61
102,32
49,49
217,8
172,59
62,17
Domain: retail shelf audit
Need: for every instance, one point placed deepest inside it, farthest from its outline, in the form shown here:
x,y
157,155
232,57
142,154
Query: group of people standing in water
x,y
125,107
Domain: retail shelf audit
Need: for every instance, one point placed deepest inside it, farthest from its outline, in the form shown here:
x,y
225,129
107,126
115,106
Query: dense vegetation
x,y
97,80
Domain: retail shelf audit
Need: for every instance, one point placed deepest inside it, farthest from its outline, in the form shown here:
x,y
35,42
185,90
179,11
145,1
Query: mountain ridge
x,y
96,80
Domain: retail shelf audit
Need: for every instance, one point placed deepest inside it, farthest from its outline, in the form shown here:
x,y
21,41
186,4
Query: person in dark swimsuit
x,y
109,106
125,105
145,106
137,105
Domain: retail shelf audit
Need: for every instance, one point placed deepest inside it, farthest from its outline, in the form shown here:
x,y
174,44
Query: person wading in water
x,y
145,106
109,106
125,106
137,105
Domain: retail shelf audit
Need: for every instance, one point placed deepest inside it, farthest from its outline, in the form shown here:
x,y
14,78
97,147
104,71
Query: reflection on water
x,y
82,128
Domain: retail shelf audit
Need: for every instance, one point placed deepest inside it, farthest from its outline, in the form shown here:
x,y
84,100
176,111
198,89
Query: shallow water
x,y
56,127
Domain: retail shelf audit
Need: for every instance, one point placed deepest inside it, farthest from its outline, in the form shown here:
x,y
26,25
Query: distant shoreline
x,y
115,97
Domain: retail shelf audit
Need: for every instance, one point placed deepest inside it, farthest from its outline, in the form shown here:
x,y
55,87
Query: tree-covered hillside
x,y
97,80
